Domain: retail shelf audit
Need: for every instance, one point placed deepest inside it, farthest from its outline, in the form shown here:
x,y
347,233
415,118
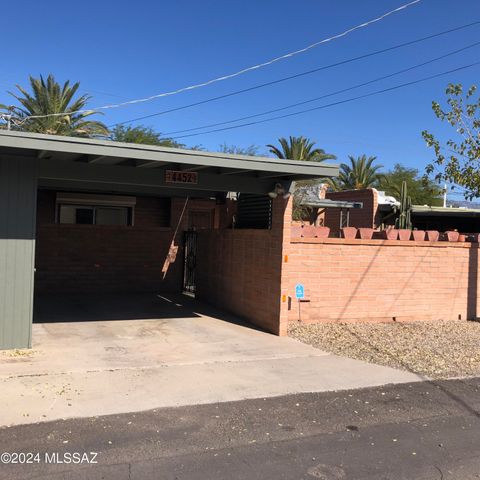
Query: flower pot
x,y
322,232
349,232
366,233
404,234
418,235
462,238
452,236
390,234
308,231
296,231
433,235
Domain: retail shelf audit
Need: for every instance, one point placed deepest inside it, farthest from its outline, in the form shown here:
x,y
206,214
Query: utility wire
x,y
301,74
239,72
378,79
371,94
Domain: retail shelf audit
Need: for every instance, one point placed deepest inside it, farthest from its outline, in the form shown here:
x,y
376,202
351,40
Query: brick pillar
x,y
282,225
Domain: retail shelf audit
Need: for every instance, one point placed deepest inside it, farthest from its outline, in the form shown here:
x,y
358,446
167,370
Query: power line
x,y
239,72
328,94
334,103
301,74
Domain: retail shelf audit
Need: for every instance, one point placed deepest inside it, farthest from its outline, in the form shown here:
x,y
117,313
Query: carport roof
x,y
105,152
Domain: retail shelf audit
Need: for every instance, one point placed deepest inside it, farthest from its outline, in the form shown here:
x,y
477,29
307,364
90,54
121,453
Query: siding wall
x,y
18,189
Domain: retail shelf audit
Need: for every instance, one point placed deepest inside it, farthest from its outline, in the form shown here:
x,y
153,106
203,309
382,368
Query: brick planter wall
x,y
375,280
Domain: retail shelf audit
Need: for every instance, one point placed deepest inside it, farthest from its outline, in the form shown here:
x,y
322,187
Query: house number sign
x,y
174,176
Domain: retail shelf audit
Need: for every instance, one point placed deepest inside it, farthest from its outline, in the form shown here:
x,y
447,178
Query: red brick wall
x,y
362,217
90,258
378,280
94,258
240,270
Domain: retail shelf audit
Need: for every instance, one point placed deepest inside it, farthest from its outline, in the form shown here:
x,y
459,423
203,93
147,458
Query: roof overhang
x,y
424,210
78,162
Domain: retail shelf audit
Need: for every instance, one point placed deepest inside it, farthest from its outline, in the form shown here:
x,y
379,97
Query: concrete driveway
x,y
148,351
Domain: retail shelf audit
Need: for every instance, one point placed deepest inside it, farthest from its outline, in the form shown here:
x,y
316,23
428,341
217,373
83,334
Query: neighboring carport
x,y
128,205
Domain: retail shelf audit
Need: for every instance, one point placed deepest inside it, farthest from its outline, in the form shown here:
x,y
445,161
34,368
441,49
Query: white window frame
x,y
94,200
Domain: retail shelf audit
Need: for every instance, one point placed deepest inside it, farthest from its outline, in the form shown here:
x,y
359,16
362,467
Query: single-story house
x,y
92,216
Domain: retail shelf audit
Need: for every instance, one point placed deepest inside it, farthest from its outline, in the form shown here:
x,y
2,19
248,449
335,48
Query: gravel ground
x,y
435,349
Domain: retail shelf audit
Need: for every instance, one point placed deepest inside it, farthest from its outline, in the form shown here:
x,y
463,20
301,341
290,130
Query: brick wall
x,y
241,270
362,217
358,280
95,258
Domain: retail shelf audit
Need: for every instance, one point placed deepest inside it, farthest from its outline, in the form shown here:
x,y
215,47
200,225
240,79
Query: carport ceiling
x,y
78,162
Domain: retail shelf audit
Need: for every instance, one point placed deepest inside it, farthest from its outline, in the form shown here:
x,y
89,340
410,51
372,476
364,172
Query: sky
x,y
122,50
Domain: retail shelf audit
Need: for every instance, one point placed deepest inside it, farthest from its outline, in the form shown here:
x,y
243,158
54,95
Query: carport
x,y
92,217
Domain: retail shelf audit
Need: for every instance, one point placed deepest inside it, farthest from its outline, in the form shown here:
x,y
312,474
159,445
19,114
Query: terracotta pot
x,y
433,235
366,233
308,231
322,232
296,231
404,234
349,232
452,236
418,235
462,238
390,234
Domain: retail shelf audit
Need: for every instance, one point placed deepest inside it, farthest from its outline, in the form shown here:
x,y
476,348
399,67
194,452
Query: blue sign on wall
x,y
299,291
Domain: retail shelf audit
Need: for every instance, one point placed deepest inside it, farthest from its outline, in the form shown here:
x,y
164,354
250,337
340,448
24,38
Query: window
x,y
85,209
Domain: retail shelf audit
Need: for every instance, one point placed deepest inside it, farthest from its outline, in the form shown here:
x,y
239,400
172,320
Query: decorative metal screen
x,y
254,211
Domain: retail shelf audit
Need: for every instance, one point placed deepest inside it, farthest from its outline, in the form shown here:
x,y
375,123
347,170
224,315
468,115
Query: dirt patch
x,y
440,349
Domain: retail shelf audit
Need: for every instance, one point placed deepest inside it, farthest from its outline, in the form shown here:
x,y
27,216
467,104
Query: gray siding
x,y
18,192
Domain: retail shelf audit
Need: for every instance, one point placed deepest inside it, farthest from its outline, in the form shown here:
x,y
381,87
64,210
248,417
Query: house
x,y
90,217
379,211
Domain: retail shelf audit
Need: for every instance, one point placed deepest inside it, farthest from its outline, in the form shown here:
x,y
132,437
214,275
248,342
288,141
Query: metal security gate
x,y
190,260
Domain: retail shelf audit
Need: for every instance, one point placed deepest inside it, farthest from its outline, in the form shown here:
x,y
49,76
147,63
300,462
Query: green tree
x,y
299,148
457,162
48,97
360,173
422,191
142,134
251,150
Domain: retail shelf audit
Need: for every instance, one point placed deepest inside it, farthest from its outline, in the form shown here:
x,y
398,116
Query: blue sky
x,y
123,50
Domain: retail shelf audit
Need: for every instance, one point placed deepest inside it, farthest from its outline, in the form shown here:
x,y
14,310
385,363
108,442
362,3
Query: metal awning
x,y
98,164
327,203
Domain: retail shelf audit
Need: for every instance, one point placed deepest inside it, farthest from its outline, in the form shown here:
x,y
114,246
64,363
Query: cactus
x,y
404,219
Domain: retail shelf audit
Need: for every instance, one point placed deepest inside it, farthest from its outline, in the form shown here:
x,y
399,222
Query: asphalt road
x,y
413,431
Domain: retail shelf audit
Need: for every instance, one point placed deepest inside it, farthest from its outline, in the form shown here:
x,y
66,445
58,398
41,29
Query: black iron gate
x,y
190,260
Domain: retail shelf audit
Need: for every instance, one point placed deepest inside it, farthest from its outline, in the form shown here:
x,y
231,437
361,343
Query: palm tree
x,y
361,173
49,97
300,148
